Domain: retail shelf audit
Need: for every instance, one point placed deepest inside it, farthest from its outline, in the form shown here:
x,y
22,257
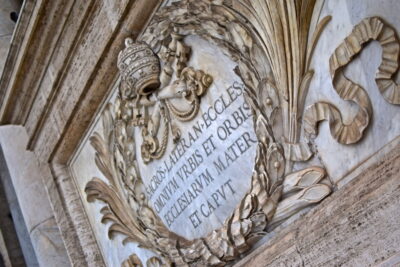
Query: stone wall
x,y
356,226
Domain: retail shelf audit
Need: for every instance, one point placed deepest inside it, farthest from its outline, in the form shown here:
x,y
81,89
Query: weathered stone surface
x,y
82,168
4,45
11,250
26,178
14,56
73,64
47,241
75,220
64,221
358,225
6,24
6,28
217,166
40,43
89,95
337,158
112,250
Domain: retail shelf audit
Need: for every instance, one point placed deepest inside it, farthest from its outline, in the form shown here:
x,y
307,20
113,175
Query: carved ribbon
x,y
368,29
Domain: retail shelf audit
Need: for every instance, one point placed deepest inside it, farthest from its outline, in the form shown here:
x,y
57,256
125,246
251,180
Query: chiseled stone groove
x,y
15,52
40,223
77,216
64,221
35,53
68,42
62,61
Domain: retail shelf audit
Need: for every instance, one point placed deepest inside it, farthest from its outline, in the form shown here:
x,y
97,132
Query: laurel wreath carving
x,y
250,33
115,156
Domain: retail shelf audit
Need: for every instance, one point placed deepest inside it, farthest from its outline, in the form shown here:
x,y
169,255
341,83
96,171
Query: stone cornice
x,y
36,43
16,54
62,64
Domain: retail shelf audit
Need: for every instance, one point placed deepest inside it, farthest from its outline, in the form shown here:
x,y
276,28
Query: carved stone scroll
x,y
367,30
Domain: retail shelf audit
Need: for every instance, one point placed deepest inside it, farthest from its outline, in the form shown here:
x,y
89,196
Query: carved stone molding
x,y
74,220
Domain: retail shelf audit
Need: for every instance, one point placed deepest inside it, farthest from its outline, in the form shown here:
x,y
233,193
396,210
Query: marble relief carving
x,y
272,43
143,86
367,30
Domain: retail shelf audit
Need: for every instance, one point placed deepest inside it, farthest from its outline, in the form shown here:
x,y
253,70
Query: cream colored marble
x,y
337,158
211,60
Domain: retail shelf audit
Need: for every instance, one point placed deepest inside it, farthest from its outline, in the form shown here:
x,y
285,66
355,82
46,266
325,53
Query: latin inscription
x,y
191,180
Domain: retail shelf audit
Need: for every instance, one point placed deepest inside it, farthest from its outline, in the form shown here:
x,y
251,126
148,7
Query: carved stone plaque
x,y
201,177
208,142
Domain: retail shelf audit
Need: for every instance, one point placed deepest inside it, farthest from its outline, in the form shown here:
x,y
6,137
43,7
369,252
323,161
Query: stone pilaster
x,y
26,178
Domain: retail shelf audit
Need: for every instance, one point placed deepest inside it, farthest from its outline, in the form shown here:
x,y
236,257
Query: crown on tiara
x,y
139,67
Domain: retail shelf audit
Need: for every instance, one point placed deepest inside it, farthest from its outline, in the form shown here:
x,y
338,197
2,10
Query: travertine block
x,y
358,225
